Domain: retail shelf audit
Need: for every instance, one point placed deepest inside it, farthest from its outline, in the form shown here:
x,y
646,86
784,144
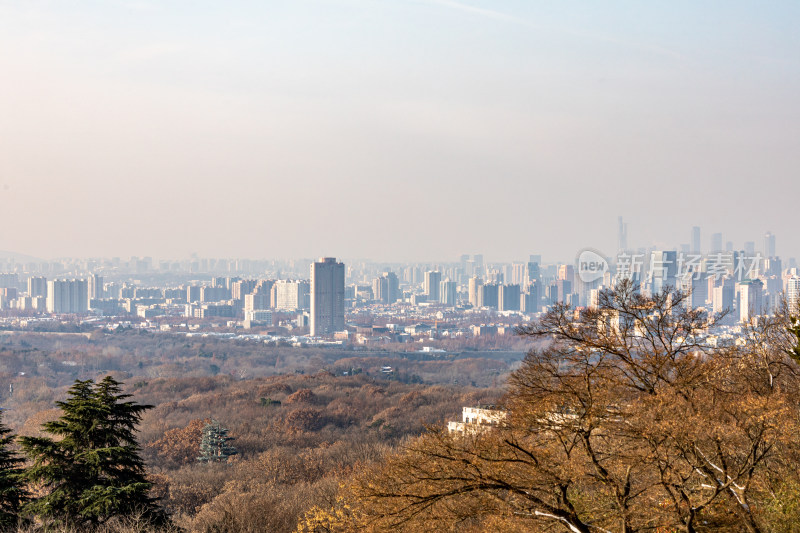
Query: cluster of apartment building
x,y
467,296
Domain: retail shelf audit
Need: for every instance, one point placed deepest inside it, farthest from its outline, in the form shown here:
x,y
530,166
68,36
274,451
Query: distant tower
x,y
478,265
623,235
509,297
664,268
793,294
518,273
448,291
695,246
432,280
750,299
67,296
532,273
716,242
769,245
327,296
722,298
96,287
475,288
566,273
37,286
386,288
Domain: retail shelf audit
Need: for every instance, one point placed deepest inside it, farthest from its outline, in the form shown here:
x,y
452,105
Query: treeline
x,y
37,369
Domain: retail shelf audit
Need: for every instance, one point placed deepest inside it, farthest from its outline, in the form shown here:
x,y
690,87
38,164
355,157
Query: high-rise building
x,y
594,298
696,287
566,273
769,245
96,287
477,267
489,295
386,289
663,270
695,245
37,287
242,287
67,296
622,238
260,298
432,280
723,295
532,298
509,298
750,299
551,293
475,288
9,280
448,293
716,242
563,288
291,295
518,273
772,266
327,296
193,293
214,294
793,294
532,273
466,268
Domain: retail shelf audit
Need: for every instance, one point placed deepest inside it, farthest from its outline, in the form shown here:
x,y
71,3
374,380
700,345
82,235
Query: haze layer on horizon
x,y
395,130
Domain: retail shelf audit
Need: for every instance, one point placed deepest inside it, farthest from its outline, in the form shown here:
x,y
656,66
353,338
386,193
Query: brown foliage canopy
x,y
178,446
301,396
626,420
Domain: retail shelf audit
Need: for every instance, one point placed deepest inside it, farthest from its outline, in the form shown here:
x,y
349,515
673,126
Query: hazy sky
x,y
395,129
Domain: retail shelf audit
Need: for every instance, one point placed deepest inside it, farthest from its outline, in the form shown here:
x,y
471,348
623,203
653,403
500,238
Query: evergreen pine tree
x,y
214,446
93,472
12,493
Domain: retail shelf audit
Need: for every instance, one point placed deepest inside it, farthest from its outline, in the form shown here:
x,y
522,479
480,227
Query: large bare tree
x,y
623,419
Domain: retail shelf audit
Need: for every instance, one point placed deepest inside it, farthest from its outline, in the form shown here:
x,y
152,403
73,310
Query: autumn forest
x,y
619,419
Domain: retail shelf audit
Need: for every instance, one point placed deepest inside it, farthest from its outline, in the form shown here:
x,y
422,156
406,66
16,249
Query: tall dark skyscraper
x,y
327,296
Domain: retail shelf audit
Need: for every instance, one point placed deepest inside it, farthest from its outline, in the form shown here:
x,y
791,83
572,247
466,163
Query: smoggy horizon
x,y
404,129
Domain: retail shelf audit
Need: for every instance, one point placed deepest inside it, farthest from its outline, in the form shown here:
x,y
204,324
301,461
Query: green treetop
x,y
12,493
91,471
215,447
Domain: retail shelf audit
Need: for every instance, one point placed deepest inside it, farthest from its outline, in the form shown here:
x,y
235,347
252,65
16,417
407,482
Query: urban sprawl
x,y
370,304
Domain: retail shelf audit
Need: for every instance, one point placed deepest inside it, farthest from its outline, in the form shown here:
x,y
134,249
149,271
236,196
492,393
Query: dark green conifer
x,y
92,471
12,492
215,447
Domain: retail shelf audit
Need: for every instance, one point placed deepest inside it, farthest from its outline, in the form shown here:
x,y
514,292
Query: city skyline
x,y
274,129
699,241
